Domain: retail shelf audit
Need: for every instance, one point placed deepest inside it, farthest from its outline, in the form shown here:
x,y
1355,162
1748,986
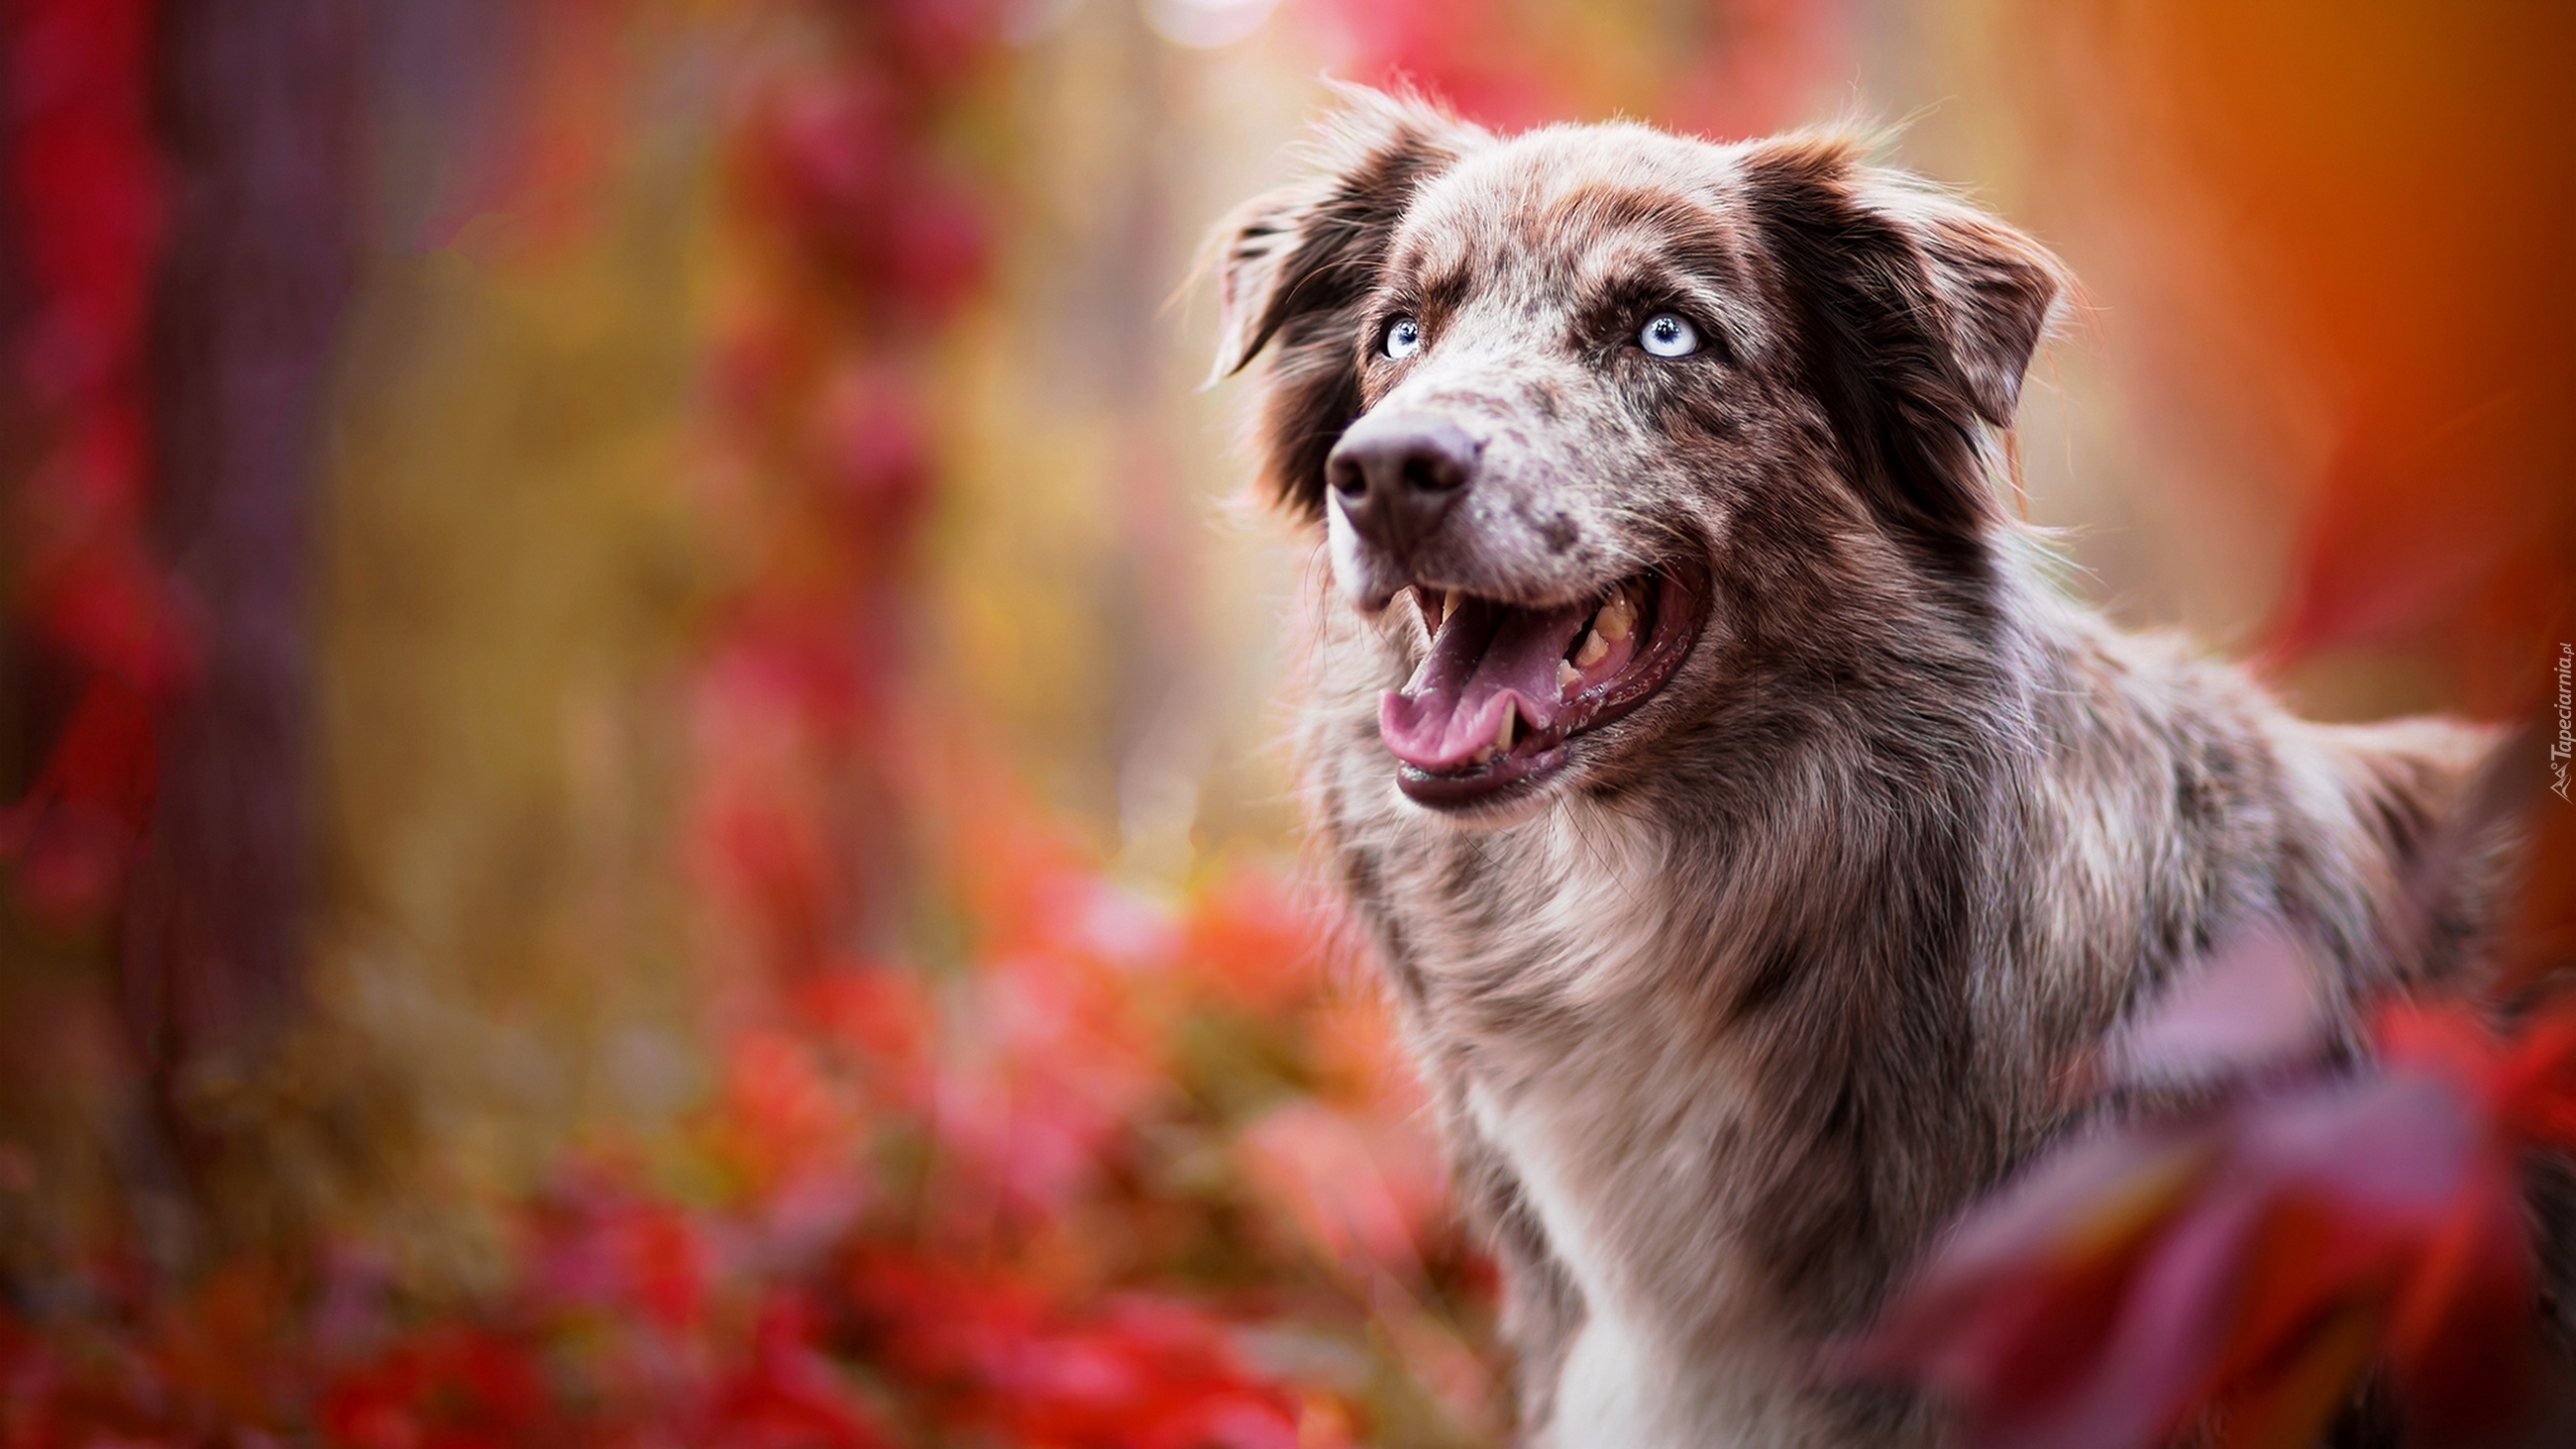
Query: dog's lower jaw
x,y
1486,816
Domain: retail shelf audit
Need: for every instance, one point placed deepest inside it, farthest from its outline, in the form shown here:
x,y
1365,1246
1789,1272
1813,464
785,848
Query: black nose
x,y
1395,475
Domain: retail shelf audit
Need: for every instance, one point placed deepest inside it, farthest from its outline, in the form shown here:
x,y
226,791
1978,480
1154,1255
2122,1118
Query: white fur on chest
x,y
1615,1382
1676,1350
1548,968
1613,1120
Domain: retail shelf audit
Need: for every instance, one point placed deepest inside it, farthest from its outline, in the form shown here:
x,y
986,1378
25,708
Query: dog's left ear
x,y
1917,316
1295,265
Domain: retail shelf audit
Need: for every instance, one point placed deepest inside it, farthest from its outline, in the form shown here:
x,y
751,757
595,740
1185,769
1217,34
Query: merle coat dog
x,y
1751,833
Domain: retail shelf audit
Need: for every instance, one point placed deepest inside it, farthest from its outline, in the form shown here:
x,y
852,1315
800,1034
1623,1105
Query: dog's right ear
x,y
1294,266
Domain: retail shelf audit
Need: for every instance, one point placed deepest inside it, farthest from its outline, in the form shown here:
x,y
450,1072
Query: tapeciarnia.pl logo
x,y
2561,747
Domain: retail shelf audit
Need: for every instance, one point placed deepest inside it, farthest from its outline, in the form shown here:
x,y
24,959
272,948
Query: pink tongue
x,y
1486,655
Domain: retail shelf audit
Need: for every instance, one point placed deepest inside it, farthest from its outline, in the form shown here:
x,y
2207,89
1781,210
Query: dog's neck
x,y
1785,925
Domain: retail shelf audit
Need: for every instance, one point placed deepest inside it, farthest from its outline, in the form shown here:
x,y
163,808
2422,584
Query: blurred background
x,y
642,704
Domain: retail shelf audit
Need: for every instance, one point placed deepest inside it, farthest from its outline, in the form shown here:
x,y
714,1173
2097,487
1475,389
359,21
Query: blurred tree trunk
x,y
254,106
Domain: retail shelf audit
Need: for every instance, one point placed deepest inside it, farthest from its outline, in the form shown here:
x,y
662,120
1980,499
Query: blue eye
x,y
1666,335
1404,338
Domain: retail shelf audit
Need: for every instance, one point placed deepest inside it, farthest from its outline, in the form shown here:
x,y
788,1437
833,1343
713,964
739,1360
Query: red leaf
x,y
447,1388
2298,1393
788,1396
2462,1357
81,821
2252,1002
2134,1279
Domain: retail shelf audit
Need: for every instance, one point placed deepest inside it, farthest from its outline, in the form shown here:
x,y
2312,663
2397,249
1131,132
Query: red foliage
x,y
800,1305
85,189
1254,943
1138,1373
448,1387
83,170
786,1394
83,817
837,161
2244,1268
1360,1190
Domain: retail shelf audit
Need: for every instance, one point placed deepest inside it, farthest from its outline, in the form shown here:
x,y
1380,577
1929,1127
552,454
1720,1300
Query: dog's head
x,y
1602,424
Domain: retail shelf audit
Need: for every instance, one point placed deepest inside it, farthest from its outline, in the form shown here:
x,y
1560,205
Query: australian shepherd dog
x,y
1749,829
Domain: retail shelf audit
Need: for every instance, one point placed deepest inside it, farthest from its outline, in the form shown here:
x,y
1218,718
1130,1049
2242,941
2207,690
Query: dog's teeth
x,y
1593,650
1503,731
1617,619
1448,605
1567,676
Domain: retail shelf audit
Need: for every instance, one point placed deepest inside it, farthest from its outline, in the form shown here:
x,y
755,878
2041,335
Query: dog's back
x,y
1752,838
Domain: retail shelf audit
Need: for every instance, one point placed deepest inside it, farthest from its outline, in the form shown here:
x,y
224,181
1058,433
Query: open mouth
x,y
1505,686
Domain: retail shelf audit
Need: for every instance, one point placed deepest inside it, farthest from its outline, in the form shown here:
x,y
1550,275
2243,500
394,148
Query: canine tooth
x,y
1567,676
1448,605
1594,647
1617,618
1503,731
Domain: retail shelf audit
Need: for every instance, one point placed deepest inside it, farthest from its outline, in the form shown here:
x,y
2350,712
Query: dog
x,y
1751,831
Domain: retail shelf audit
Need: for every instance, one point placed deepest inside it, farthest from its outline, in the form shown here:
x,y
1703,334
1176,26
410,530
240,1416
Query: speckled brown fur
x,y
1787,964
